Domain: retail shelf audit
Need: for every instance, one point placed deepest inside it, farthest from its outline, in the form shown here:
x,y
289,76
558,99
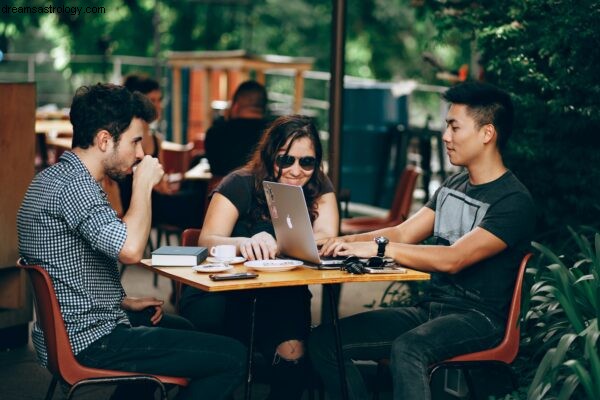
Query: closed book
x,y
178,256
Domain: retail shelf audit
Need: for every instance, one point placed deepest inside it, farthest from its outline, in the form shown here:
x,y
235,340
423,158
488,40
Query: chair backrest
x,y
189,237
61,360
49,317
507,350
175,158
403,196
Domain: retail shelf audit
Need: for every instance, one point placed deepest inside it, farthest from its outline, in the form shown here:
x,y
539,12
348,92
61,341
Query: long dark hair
x,y
261,166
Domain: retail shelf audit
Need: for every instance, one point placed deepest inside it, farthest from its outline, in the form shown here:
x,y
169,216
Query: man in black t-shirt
x,y
231,140
482,221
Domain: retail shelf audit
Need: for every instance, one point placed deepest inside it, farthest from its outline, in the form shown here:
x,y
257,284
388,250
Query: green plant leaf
x,y
568,387
562,348
569,306
539,383
548,253
592,333
583,376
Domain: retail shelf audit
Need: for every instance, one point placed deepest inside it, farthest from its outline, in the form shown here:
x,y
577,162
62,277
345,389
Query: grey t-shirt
x,y
502,207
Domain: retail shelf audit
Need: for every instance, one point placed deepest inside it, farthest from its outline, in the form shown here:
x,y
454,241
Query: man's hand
x,y
261,246
326,246
148,171
359,249
135,304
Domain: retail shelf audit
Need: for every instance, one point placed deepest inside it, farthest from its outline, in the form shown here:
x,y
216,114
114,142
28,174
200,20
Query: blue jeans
x,y
215,364
413,338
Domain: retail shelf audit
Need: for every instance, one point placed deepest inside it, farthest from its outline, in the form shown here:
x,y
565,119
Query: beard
x,y
116,175
115,168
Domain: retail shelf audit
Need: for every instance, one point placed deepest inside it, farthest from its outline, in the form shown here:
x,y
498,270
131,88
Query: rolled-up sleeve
x,y
93,218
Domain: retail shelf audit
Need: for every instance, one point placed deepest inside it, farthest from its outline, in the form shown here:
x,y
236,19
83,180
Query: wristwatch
x,y
381,241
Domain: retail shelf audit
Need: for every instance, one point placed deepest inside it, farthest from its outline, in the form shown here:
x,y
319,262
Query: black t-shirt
x,y
238,187
502,207
230,143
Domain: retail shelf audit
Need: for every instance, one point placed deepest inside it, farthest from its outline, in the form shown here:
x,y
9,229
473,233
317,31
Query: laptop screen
x,y
291,221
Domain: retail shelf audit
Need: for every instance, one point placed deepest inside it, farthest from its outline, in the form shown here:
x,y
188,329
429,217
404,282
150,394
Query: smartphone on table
x,y
233,276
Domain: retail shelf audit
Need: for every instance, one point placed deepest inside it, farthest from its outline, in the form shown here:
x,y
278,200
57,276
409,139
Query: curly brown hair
x,y
261,165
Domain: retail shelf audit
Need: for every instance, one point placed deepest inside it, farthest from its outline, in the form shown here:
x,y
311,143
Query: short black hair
x,y
109,107
251,94
487,104
140,83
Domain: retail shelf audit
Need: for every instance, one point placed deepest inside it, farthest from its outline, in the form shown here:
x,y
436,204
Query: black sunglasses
x,y
286,161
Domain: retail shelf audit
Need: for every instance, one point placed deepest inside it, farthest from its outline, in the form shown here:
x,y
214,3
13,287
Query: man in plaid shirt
x,y
67,226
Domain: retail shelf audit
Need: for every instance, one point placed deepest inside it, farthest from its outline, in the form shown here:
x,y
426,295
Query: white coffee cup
x,y
223,251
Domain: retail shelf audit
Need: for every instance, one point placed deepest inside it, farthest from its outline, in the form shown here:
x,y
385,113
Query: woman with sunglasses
x,y
289,152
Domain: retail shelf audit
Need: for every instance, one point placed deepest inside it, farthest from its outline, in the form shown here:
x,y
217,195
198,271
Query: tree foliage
x,y
547,53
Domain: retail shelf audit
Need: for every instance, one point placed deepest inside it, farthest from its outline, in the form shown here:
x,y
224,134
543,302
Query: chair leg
x,y
470,384
381,370
50,392
117,381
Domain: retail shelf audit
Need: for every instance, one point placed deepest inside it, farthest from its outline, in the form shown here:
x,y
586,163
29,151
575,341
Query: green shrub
x,y
547,54
562,322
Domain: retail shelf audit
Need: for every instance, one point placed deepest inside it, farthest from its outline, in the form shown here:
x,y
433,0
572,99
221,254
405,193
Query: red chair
x,y
189,237
399,210
61,361
500,356
505,352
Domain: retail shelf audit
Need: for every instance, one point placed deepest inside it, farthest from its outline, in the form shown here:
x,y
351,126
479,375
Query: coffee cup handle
x,y
212,251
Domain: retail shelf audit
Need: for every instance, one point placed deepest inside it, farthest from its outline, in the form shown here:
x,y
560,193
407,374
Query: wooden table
x,y
60,142
47,130
297,277
200,172
52,127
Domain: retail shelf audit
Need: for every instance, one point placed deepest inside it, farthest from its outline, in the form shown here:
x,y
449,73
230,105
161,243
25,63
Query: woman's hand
x,y
261,246
135,304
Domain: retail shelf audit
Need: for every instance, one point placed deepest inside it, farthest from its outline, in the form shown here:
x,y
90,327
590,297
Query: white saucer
x,y
234,260
273,265
212,267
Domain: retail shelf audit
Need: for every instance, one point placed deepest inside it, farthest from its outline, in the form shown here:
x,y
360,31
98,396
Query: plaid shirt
x,y
67,226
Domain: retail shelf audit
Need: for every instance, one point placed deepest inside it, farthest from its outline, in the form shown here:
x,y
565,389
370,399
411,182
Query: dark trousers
x,y
282,314
215,364
413,338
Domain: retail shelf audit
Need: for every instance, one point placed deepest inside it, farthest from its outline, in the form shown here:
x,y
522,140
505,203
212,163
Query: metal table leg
x,y
248,394
338,340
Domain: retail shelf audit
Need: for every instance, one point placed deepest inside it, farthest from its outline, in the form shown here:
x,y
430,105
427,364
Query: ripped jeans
x,y
282,314
413,338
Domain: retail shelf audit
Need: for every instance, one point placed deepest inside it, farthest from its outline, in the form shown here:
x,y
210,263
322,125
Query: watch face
x,y
381,240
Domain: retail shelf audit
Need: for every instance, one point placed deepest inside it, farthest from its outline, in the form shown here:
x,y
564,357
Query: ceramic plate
x,y
234,260
273,265
212,268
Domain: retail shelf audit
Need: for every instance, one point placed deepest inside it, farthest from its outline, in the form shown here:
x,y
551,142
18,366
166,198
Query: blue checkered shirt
x,y
66,225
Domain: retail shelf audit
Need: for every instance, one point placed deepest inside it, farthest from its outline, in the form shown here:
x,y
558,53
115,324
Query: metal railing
x,y
57,84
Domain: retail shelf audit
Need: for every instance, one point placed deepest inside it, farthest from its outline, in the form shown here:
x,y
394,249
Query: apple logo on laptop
x,y
289,221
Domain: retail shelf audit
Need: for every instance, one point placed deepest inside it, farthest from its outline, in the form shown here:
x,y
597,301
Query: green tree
x,y
547,53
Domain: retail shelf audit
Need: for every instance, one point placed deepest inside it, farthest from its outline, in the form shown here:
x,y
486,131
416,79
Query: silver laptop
x,y
293,228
